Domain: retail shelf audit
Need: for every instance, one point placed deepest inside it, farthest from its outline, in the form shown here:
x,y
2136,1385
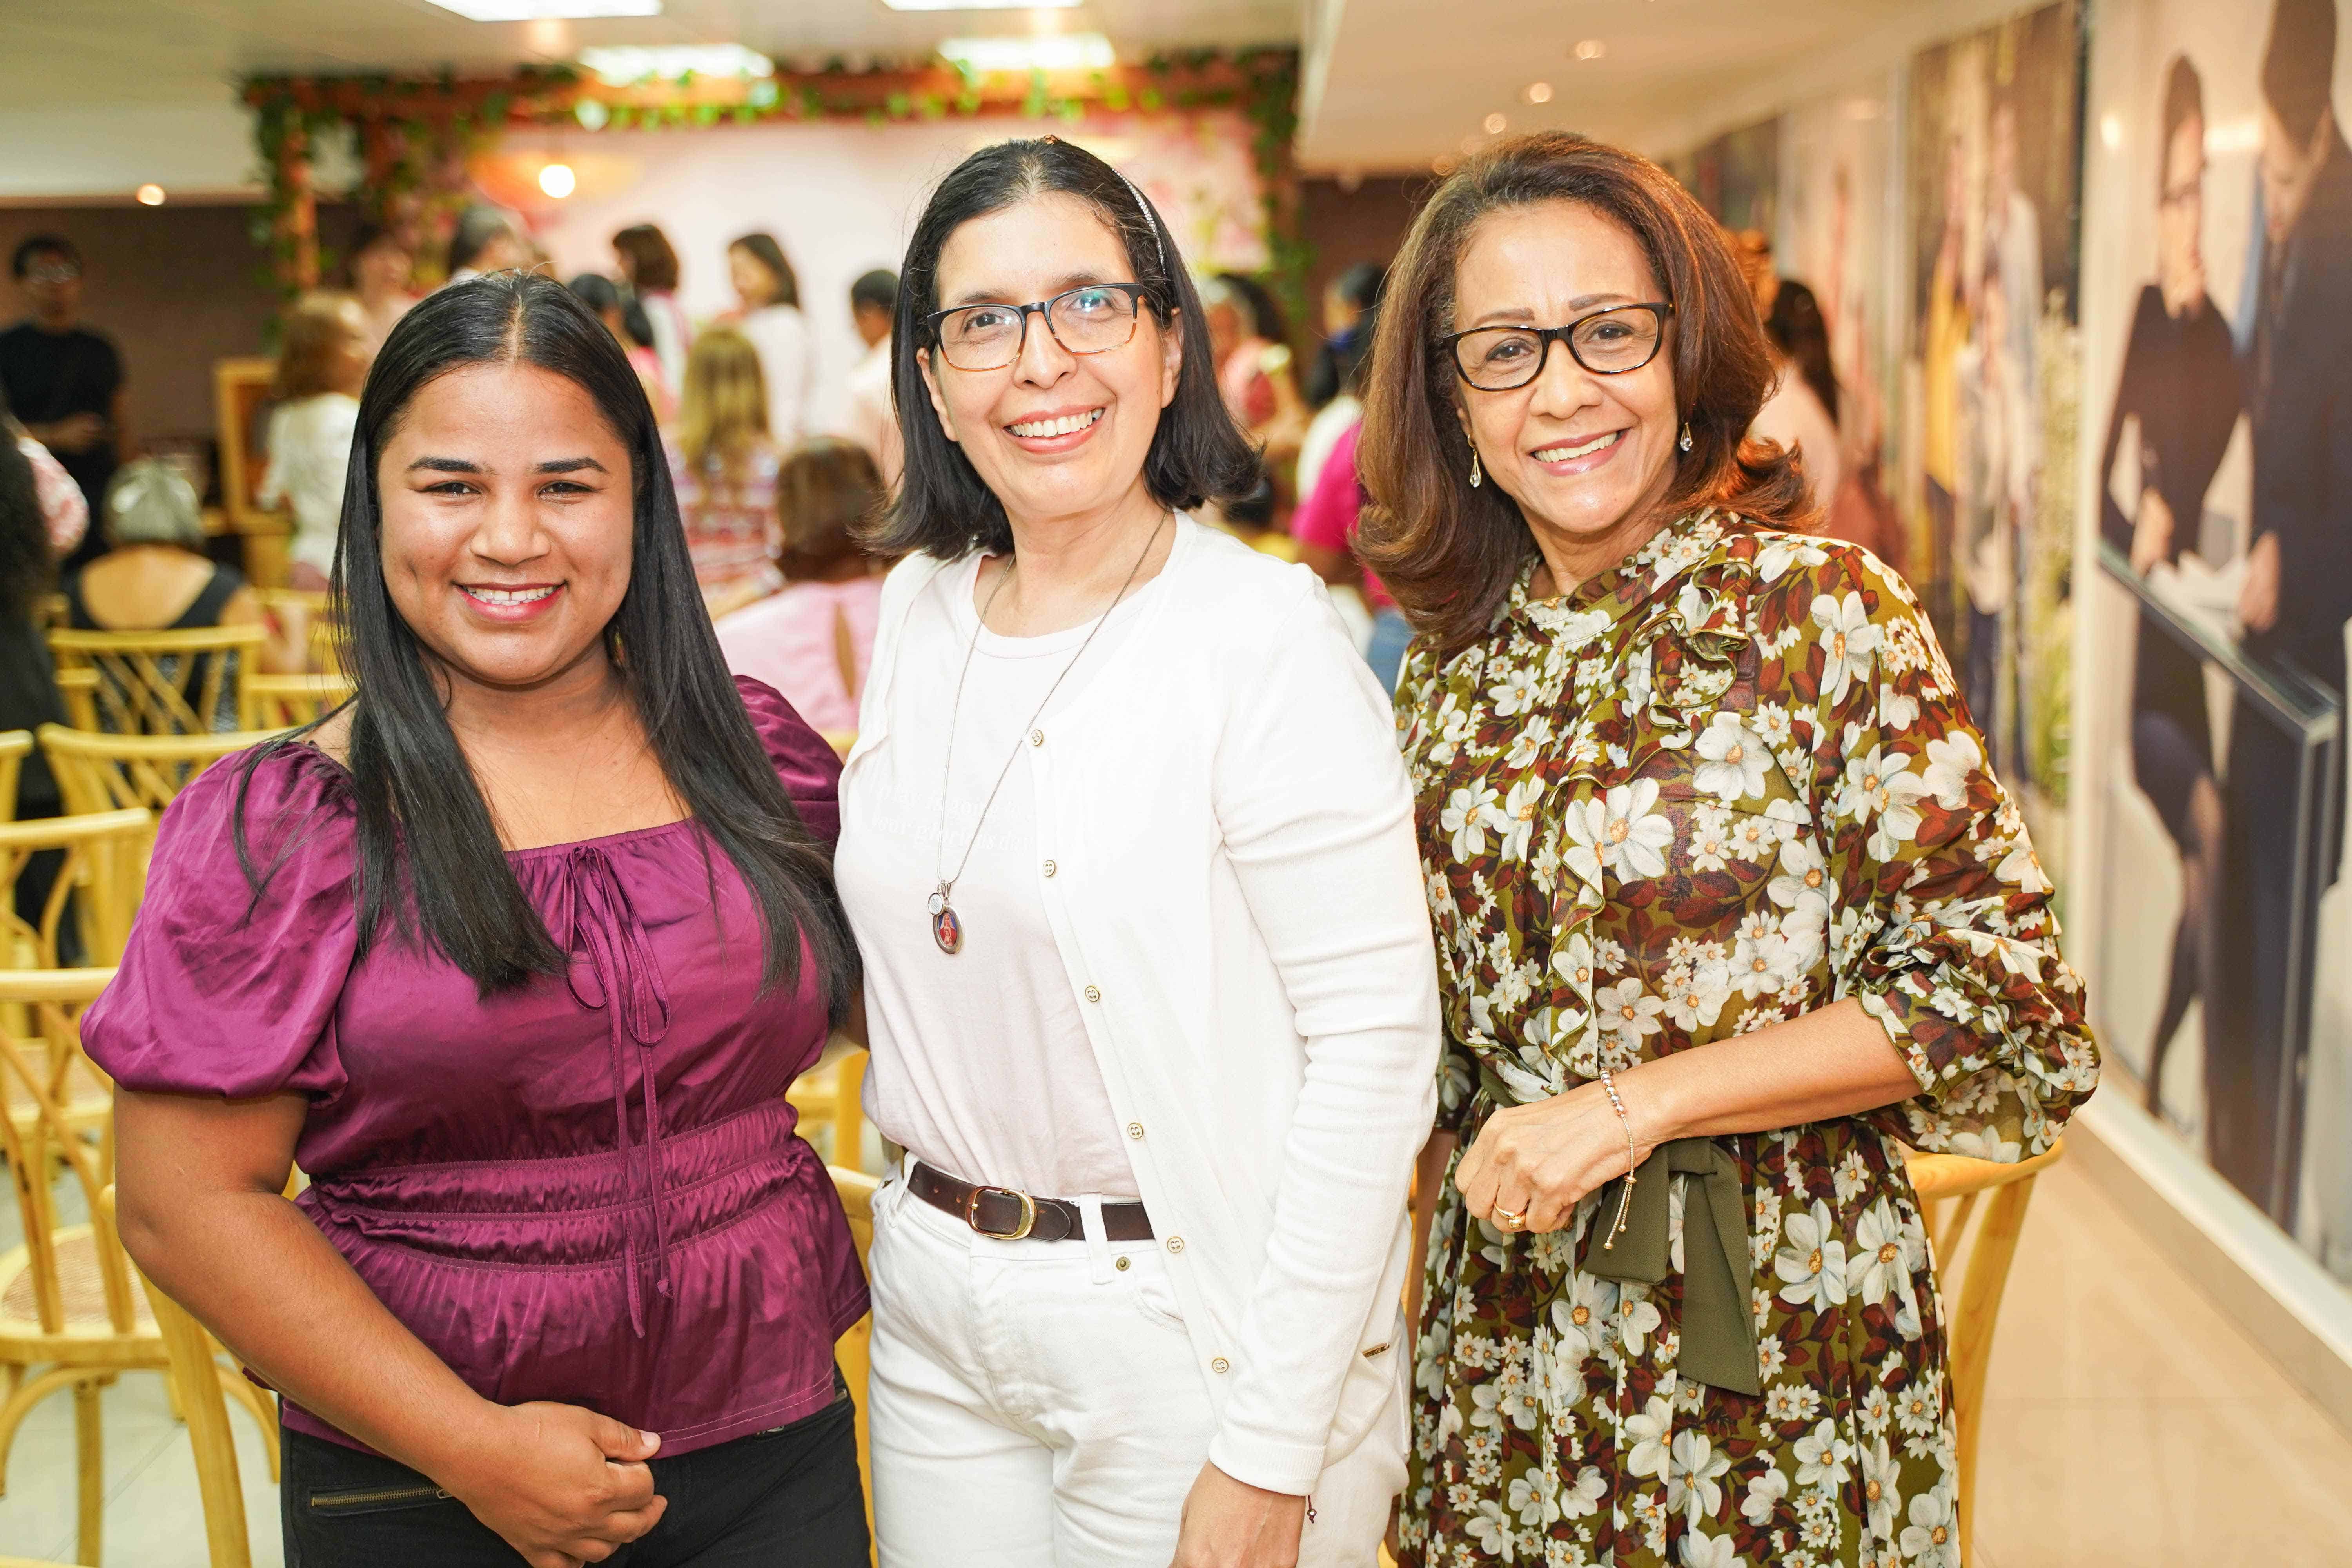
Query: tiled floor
x,y
2129,1425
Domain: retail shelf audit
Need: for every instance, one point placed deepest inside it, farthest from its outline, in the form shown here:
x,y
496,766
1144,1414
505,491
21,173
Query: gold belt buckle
x,y
1028,1214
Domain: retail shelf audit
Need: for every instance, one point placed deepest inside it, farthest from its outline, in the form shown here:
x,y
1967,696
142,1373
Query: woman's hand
x,y
562,1485
1535,1161
1232,1524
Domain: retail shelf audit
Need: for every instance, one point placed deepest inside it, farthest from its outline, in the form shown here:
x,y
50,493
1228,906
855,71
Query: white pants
x,y
1037,1404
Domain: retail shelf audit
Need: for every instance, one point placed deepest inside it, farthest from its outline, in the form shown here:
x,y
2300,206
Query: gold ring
x,y
1509,1219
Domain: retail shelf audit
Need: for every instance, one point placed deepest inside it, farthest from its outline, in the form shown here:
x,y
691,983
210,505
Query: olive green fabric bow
x,y
1718,1332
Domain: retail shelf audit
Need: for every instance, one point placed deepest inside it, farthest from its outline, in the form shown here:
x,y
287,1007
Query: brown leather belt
x,y
1009,1214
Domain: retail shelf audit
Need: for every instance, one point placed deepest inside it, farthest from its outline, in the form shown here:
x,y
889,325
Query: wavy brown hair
x,y
1449,553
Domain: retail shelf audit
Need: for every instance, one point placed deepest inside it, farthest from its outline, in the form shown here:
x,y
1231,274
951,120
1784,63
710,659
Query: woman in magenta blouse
x,y
515,955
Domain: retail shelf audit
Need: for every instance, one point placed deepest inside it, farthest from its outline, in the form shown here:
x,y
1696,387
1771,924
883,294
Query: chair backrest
x,y
854,1350
309,609
15,745
241,388
111,772
283,701
1949,1187
104,873
162,683
38,1071
196,1390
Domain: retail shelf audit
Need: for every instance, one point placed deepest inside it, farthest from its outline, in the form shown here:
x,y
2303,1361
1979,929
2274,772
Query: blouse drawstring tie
x,y
613,967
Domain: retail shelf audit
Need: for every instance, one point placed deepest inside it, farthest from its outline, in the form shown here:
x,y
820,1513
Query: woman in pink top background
x,y
814,640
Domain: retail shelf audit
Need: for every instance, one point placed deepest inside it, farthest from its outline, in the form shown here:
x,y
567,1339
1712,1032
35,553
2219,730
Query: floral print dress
x,y
1728,782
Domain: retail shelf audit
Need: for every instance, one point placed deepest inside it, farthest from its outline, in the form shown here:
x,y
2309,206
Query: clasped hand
x,y
1536,1161
560,1485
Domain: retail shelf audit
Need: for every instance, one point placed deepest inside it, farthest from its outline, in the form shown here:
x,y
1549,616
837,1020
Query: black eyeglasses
x,y
1088,320
1615,342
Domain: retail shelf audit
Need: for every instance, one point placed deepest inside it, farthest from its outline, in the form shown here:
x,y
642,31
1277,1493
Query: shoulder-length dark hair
x,y
762,249
1197,454
427,846
653,265
1448,551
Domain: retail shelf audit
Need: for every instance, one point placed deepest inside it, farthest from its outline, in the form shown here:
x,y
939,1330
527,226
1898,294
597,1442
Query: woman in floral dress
x,y
1726,896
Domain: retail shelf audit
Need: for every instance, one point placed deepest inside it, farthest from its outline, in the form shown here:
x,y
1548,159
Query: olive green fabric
x,y
1719,1344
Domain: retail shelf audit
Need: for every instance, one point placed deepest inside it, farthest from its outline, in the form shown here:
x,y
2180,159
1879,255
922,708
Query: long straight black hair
x,y
430,862
1197,454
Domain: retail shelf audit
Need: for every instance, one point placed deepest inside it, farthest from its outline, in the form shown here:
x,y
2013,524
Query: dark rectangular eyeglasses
x,y
1607,343
1088,320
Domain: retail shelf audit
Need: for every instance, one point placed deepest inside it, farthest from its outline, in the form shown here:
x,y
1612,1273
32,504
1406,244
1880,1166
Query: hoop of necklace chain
x,y
947,926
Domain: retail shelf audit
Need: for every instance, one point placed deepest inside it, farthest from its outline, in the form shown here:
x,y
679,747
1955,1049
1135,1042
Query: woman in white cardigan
x,y
1128,853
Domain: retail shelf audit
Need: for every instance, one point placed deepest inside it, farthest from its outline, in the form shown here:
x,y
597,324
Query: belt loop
x,y
1090,1216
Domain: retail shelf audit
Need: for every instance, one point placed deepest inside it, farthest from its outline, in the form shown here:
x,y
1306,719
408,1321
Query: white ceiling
x,y
70,52
1392,83
104,94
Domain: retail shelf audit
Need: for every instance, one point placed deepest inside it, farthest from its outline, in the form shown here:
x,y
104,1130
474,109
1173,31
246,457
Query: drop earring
x,y
1473,468
1685,442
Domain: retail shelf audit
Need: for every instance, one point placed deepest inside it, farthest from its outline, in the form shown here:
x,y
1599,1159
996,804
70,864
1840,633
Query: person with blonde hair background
x,y
321,365
724,463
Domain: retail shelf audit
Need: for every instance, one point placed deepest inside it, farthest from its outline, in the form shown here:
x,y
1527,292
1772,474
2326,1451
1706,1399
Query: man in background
x,y
872,421
2299,587
63,381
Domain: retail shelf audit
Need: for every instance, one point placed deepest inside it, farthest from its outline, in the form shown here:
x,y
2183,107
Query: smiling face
x,y
1053,434
1587,457
508,524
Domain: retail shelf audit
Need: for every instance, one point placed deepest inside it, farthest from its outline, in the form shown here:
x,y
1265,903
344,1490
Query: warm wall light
x,y
1495,124
1050,52
1590,49
981,4
558,181
548,10
1538,93
150,195
2111,132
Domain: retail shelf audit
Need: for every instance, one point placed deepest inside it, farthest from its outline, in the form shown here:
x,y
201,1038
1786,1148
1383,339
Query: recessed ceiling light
x,y
1590,49
981,4
1052,52
619,66
149,196
548,10
558,179
1538,92
1495,123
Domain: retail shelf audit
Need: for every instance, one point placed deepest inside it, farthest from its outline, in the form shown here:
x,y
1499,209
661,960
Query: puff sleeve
x,y
1944,930
802,758
227,989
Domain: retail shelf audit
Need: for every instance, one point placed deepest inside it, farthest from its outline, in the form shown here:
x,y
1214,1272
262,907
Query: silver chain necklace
x,y
947,926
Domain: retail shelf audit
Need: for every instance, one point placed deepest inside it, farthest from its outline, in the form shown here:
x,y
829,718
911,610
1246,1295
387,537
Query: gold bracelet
x,y
1624,1203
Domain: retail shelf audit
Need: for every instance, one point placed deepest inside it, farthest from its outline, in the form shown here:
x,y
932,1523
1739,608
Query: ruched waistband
x,y
581,1211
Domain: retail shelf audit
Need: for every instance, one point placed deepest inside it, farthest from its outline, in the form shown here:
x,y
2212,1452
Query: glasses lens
x,y
1498,358
53,272
981,337
1088,320
1616,340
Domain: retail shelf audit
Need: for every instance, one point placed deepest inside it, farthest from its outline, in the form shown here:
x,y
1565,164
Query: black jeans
x,y
785,1498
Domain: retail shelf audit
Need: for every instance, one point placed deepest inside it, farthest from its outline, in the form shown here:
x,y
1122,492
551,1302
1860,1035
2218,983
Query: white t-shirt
x,y
870,420
1794,417
980,1065
310,455
788,364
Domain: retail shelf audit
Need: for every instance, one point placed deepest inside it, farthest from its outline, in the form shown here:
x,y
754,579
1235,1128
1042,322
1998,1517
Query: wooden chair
x,y
159,683
15,745
1949,1187
104,872
853,1350
310,608
241,394
827,1096
200,1384
841,740
111,772
283,701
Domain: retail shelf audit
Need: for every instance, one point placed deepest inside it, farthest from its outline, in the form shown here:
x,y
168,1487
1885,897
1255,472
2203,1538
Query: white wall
x,y
111,150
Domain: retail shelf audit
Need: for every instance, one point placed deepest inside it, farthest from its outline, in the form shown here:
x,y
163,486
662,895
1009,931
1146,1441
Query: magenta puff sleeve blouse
x,y
587,1189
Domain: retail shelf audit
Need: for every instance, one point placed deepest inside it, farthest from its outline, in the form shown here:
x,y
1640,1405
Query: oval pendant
x,y
946,929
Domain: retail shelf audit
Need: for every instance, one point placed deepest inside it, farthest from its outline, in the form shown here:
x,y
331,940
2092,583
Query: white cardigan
x,y
1238,901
